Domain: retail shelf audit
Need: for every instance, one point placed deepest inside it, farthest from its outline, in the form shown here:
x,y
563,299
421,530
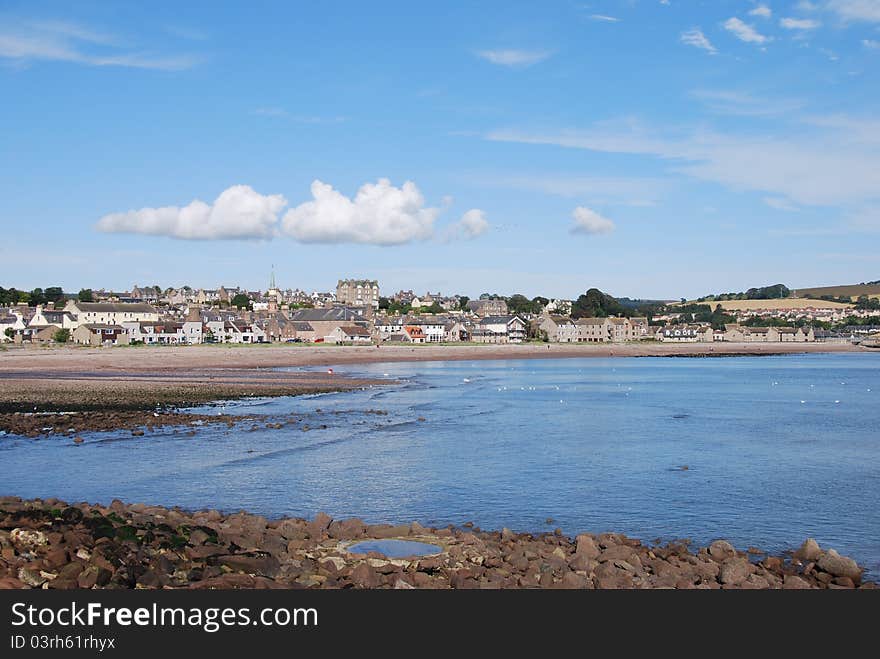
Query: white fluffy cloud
x,y
589,221
511,57
761,10
744,31
238,213
799,24
379,214
472,224
697,39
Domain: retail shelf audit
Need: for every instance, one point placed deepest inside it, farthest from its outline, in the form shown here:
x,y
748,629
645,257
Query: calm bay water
x,y
777,449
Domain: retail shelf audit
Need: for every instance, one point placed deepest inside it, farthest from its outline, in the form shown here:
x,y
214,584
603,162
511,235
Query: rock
x,y
616,552
78,440
28,539
320,524
582,563
401,584
10,583
262,565
71,515
573,580
137,433
773,563
586,546
93,576
840,566
721,549
31,577
383,531
507,535
364,576
794,582
809,551
846,582
291,529
347,529
734,571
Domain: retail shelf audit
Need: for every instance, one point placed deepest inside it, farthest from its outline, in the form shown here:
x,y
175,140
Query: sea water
x,y
762,451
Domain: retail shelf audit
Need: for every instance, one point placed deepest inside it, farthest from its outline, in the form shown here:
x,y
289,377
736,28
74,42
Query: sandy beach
x,y
179,358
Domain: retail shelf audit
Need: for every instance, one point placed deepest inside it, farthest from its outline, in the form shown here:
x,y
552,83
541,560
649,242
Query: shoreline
x,y
48,543
107,383
171,359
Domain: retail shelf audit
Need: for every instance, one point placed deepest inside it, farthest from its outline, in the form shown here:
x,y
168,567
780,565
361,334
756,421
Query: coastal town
x,y
356,313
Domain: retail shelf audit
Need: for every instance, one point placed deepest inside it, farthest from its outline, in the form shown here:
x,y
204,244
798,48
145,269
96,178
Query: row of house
x,y
563,329
734,333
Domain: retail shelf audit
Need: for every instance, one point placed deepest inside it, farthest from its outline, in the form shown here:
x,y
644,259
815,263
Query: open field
x,y
852,291
783,303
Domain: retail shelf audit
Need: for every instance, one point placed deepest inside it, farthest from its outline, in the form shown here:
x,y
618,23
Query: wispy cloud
x,y
513,57
762,11
799,24
856,10
696,38
744,104
58,41
622,191
603,17
744,31
781,204
871,44
281,113
837,163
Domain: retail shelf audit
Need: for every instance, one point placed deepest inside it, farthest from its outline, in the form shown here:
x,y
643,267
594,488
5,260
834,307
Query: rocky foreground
x,y
50,544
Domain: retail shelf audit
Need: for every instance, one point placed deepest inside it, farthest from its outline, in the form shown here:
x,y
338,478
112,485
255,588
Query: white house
x,y
61,318
13,321
107,313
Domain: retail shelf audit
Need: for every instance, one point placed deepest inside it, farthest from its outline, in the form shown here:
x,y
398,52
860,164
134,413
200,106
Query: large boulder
x,y
734,571
840,566
721,550
809,551
587,547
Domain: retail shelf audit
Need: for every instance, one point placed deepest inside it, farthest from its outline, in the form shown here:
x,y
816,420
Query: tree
x,y
384,302
61,336
596,304
241,301
86,295
54,294
518,303
37,297
463,302
9,332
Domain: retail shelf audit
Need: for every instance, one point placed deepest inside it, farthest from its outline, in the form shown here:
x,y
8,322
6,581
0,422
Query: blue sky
x,y
652,149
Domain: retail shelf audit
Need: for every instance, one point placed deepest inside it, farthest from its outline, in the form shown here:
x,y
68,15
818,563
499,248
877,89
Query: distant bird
x,y
803,401
466,380
837,401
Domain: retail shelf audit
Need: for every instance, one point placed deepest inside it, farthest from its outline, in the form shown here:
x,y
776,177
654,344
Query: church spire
x,y
272,279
